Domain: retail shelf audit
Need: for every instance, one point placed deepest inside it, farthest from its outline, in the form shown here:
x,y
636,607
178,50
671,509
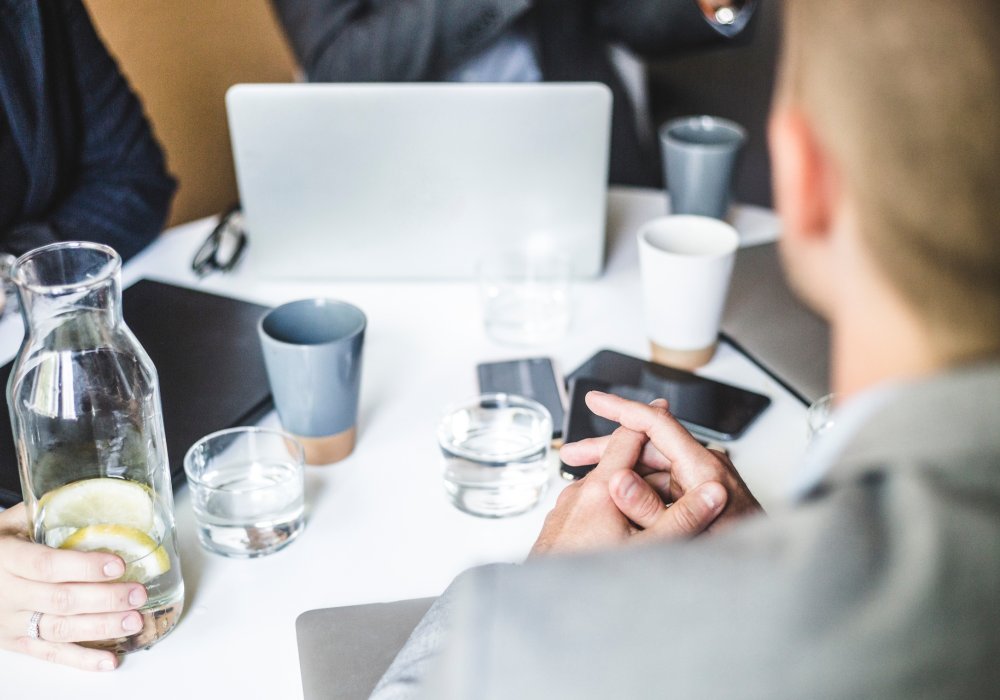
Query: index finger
x,y
14,520
622,452
668,436
38,562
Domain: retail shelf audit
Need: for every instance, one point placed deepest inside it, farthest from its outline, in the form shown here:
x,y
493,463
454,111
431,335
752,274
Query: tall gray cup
x,y
698,156
312,351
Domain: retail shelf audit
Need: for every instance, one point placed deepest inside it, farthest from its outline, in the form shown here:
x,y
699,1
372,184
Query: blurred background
x,y
181,57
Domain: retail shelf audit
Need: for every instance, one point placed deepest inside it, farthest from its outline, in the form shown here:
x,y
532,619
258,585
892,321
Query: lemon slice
x,y
95,501
144,559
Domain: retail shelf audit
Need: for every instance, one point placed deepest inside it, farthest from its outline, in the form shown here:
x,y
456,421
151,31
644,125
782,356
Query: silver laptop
x,y
343,652
418,181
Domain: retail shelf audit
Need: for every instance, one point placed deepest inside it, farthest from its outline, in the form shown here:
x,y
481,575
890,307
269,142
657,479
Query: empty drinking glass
x,y
819,416
526,296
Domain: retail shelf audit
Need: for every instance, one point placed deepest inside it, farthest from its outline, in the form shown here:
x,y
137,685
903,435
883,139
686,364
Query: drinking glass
x,y
247,489
819,416
526,296
496,449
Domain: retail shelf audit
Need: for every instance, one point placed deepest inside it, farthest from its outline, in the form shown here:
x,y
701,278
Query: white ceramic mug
x,y
686,263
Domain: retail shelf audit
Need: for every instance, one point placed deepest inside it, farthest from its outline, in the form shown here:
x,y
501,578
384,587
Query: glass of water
x,y
819,416
496,449
526,296
246,490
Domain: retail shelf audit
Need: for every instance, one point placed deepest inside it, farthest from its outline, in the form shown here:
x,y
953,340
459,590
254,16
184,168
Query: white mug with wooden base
x,y
686,263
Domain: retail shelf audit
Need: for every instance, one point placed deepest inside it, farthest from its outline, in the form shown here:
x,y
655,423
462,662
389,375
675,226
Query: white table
x,y
379,526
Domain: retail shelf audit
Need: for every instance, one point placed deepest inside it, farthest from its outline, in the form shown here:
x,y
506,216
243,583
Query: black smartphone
x,y
534,378
581,423
710,409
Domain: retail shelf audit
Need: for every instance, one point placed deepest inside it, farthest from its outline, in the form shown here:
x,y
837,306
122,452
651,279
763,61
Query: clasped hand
x,y
653,480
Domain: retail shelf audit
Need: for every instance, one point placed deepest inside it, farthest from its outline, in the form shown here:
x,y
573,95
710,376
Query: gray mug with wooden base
x,y
312,351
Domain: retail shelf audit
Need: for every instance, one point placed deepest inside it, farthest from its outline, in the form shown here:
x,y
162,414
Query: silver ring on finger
x,y
33,632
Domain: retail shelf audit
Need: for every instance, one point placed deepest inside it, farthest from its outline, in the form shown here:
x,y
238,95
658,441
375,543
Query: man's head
x,y
887,124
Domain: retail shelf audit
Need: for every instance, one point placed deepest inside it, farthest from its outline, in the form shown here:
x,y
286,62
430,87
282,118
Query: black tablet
x,y
208,358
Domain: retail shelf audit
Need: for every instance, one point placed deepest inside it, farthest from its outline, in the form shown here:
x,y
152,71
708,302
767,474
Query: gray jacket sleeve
x,y
406,676
389,40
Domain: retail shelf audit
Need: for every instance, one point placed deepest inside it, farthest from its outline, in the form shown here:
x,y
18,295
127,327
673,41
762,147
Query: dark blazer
x,y
362,40
89,166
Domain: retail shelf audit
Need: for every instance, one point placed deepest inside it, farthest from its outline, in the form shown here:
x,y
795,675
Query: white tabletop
x,y
379,525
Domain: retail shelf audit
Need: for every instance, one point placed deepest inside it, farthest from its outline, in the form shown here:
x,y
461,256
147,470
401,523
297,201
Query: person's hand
x,y
74,592
586,517
672,461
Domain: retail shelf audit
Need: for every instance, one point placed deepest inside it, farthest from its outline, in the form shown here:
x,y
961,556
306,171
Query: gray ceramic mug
x,y
699,154
312,351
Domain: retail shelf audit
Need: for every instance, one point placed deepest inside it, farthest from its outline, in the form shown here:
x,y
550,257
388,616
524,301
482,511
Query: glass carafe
x,y
88,427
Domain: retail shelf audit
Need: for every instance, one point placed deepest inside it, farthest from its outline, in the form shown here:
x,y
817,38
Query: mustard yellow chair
x,y
180,57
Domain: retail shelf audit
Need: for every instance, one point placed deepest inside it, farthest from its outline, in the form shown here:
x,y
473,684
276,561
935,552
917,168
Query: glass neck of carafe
x,y
64,281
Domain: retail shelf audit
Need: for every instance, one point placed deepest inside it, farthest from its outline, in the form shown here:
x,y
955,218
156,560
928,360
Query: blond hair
x,y
905,96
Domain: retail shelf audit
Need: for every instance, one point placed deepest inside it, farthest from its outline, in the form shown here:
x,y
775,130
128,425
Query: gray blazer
x,y
884,582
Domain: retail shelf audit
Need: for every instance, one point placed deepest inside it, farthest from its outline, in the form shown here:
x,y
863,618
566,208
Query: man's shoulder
x,y
944,423
848,577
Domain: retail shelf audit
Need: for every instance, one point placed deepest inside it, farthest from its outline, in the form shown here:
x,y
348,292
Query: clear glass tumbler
x,y
526,296
247,490
496,449
820,416
88,428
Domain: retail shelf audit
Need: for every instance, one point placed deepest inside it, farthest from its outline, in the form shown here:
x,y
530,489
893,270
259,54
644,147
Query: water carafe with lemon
x,y
88,427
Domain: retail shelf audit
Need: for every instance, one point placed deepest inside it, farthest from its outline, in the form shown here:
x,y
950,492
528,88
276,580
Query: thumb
x,y
692,512
688,516
635,498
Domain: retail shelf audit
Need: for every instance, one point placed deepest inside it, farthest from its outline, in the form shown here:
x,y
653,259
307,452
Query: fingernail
x,y
595,392
627,486
132,623
114,568
710,497
137,596
106,665
658,402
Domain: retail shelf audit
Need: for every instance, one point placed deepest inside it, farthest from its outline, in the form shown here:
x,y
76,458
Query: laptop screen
x,y
418,180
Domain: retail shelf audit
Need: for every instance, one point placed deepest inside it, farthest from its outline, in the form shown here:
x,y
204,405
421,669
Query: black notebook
x,y
208,358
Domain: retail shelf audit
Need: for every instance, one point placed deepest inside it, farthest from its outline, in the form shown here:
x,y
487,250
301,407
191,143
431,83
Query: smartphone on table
x,y
711,410
534,378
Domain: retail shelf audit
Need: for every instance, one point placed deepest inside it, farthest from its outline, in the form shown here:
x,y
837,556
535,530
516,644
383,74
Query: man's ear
x,y
801,175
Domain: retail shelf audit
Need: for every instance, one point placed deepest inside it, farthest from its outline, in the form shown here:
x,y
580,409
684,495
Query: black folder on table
x,y
208,358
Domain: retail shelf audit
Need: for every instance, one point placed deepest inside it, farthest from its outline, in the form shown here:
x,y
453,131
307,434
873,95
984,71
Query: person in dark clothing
x,y
510,41
78,160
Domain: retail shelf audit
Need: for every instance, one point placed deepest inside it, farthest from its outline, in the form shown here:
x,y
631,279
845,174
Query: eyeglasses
x,y
224,247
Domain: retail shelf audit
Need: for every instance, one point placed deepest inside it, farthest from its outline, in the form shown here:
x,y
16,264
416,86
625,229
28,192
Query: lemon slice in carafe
x,y
96,501
144,558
